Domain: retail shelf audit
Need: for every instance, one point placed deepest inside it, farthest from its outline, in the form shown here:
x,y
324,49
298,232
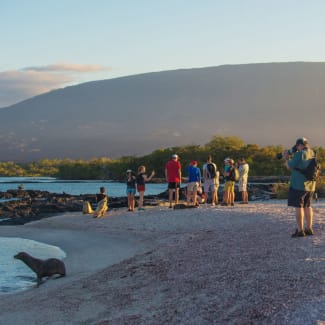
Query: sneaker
x,y
213,204
224,204
309,232
141,209
298,234
232,204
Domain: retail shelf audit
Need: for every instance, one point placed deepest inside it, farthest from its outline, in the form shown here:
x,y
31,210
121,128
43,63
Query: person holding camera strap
x,y
301,190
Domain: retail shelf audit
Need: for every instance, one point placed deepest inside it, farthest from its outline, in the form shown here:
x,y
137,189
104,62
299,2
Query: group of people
x,y
137,183
196,193
301,188
202,188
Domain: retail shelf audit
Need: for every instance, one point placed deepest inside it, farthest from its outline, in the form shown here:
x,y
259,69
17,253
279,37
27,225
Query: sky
x,y
51,44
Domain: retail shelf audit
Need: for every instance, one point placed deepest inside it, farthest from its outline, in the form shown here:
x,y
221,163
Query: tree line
x,y
262,161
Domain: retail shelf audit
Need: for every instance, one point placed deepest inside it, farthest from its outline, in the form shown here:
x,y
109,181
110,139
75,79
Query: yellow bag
x,y
86,208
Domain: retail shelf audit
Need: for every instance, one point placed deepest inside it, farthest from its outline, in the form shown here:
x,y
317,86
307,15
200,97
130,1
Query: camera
x,y
289,152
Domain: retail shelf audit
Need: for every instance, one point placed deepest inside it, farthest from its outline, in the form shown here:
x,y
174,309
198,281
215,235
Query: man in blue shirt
x,y
301,190
194,181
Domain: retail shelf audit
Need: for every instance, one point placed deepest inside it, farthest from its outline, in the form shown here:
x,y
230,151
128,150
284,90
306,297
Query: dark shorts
x,y
299,199
173,185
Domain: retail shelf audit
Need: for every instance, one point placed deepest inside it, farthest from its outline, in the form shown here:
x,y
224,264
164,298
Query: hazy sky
x,y
48,44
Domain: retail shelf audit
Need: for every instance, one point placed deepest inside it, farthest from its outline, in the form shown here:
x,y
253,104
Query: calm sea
x,y
113,189
15,275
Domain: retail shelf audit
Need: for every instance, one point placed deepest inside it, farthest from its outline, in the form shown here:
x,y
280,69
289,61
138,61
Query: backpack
x,y
211,171
234,174
312,171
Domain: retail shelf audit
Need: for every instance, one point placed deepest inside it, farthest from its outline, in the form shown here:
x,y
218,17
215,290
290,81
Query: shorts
x,y
242,185
299,199
141,188
173,185
209,185
192,186
229,186
130,190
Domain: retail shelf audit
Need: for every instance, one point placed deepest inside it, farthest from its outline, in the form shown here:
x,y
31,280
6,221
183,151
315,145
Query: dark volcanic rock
x,y
28,205
33,205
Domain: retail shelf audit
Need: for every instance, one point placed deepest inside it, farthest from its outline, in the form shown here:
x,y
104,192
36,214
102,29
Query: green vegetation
x,y
262,161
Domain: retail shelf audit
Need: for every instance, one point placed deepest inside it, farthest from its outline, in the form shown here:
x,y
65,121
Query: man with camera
x,y
301,190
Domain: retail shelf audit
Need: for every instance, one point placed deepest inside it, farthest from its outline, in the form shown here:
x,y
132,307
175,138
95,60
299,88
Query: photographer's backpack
x,y
211,171
312,171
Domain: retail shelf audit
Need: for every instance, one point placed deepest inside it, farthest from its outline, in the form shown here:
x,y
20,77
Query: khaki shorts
x,y
242,185
229,186
192,187
209,185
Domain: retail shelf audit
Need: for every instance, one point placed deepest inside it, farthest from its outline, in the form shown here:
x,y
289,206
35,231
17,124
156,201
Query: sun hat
x,y
302,141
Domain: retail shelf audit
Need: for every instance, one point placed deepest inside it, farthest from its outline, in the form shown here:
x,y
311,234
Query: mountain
x,y
266,104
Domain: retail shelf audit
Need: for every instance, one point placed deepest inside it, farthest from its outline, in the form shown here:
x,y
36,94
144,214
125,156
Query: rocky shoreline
x,y
23,206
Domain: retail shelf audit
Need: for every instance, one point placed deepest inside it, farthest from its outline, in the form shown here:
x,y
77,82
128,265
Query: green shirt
x,y
301,160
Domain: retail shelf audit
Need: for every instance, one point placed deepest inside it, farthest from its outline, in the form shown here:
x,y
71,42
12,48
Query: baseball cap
x,y
129,171
174,156
194,162
302,141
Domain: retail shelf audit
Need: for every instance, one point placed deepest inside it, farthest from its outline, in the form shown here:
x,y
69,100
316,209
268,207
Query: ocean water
x,y
113,189
14,274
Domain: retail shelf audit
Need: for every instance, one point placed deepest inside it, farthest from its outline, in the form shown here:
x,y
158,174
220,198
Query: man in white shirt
x,y
243,170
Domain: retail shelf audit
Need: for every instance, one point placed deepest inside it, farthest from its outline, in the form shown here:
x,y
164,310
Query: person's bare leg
x,y
309,217
176,195
171,192
141,196
213,197
232,197
132,204
300,218
216,199
245,196
189,197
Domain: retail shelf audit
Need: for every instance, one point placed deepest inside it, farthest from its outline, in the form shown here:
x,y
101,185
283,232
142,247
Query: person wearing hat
x,y
130,189
301,190
229,187
194,182
173,177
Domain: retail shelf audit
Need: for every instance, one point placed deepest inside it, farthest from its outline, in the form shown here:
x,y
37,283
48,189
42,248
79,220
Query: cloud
x,y
69,67
18,85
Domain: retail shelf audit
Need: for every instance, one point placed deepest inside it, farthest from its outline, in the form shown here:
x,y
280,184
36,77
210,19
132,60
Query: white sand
x,y
227,265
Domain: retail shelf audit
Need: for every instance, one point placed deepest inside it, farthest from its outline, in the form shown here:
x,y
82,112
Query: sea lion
x,y
42,268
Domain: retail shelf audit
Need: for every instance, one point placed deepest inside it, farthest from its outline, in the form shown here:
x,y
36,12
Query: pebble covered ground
x,y
211,265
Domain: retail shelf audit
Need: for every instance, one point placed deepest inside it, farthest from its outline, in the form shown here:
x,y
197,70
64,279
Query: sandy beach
x,y
211,265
